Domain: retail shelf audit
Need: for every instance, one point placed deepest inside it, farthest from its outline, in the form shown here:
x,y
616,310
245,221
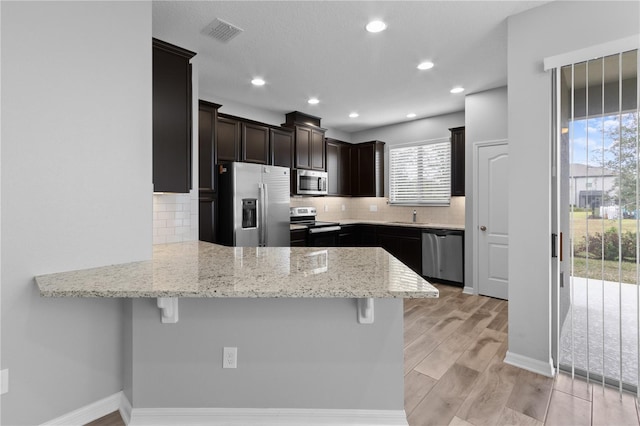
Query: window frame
x,y
440,200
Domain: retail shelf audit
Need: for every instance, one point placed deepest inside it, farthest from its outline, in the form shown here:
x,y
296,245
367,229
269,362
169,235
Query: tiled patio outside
x,y
604,302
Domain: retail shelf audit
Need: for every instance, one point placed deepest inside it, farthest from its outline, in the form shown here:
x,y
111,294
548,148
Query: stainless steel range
x,y
319,234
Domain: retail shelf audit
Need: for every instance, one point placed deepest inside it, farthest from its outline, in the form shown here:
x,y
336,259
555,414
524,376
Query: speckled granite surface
x,y
200,269
407,224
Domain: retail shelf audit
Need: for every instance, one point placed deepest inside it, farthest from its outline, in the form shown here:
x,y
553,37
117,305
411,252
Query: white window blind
x,y
421,173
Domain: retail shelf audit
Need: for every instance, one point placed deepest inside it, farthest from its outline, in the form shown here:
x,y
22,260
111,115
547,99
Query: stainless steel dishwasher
x,y
443,254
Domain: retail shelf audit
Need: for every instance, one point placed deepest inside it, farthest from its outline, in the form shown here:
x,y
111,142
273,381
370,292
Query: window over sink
x,y
420,173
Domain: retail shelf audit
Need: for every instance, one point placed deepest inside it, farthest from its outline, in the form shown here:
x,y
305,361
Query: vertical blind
x,y
599,104
421,173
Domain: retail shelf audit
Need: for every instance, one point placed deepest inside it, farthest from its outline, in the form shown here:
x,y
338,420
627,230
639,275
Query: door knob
x,y
483,228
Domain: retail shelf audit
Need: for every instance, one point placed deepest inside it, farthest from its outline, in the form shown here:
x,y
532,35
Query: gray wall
x,y
412,131
76,192
545,31
292,353
485,120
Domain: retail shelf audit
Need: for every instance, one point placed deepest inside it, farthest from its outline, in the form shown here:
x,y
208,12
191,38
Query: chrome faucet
x,y
415,213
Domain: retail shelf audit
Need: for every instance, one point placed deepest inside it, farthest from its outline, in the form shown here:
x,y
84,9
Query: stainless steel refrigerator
x,y
253,205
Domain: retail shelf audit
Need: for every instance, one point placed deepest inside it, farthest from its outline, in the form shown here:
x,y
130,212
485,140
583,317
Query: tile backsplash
x,y
377,208
175,217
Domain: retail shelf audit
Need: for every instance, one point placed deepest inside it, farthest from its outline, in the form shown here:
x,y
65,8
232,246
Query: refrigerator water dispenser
x,y
249,212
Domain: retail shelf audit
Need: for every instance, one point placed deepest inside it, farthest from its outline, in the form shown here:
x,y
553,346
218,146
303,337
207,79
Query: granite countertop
x,y
407,224
200,269
388,223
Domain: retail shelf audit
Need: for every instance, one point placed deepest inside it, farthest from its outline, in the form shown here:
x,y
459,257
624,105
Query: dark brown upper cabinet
x,y
309,144
457,161
255,143
227,139
338,167
207,121
172,120
281,147
367,169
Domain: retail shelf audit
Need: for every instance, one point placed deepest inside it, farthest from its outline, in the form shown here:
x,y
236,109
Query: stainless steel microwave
x,y
310,182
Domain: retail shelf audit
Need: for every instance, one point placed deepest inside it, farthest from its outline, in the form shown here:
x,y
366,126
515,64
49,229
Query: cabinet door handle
x,y
483,228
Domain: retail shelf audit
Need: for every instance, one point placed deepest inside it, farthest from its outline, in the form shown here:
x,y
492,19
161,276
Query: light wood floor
x,y
454,374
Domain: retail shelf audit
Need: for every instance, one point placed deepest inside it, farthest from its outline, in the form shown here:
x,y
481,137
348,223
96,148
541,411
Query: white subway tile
x,y
159,223
159,239
180,215
181,230
166,215
174,238
166,231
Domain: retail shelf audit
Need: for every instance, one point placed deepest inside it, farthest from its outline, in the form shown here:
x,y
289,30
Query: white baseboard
x,y
263,416
88,413
534,365
125,409
468,290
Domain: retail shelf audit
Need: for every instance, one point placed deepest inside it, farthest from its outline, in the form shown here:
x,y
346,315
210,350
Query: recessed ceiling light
x,y
257,81
411,115
376,26
427,65
457,90
313,101
354,115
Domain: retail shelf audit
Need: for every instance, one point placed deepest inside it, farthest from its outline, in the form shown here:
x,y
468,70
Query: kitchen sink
x,y
409,223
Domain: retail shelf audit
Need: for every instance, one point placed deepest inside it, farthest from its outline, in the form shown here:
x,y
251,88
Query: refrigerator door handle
x,y
261,218
265,231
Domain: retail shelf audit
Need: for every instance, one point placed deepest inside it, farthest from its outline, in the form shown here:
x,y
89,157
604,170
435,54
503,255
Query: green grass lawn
x,y
629,270
580,224
580,227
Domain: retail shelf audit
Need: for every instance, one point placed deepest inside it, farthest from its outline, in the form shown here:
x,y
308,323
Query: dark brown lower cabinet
x,y
348,236
403,243
298,237
208,217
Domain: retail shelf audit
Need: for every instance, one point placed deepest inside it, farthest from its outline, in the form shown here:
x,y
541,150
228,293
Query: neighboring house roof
x,y
584,170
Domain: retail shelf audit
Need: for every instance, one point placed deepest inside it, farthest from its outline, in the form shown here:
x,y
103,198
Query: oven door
x,y
324,236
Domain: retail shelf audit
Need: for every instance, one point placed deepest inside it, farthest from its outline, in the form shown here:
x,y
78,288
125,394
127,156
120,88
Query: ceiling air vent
x,y
222,30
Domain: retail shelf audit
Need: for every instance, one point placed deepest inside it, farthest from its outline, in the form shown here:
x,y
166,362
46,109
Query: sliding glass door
x,y
599,285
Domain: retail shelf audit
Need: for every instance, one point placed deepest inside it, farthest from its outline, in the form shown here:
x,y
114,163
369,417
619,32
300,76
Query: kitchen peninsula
x,y
318,330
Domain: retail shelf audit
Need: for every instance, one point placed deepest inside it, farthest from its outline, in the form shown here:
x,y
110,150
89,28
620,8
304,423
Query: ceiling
x,y
320,49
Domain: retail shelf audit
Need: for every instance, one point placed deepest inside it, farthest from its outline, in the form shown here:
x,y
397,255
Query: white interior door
x,y
493,237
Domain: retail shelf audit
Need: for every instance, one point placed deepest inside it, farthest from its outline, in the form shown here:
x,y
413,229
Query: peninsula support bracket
x,y
365,310
168,309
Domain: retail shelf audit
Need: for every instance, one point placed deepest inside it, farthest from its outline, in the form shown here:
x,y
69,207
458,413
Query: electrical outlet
x,y
343,208
373,208
4,381
326,208
230,358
